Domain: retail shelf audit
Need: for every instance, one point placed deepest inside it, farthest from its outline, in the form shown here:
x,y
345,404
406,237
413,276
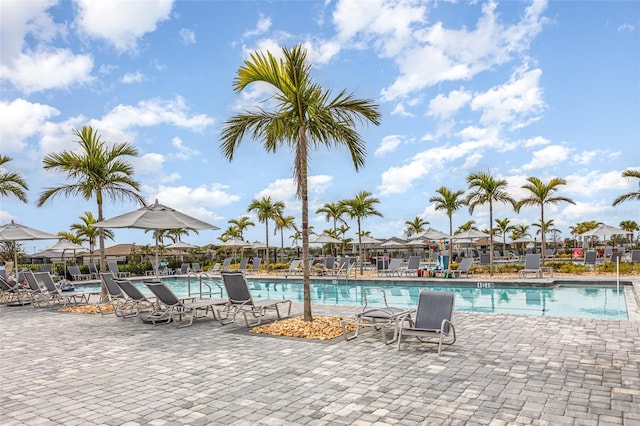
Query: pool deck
x,y
75,369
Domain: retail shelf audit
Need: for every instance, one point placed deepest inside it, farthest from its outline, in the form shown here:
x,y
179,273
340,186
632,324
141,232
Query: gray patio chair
x,y
93,271
243,263
136,301
255,265
38,294
412,266
531,266
76,275
590,257
241,301
63,297
376,313
169,305
115,297
13,293
195,267
113,268
433,319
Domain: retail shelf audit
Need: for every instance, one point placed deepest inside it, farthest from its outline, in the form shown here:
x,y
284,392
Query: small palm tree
x,y
486,189
633,195
97,171
630,226
502,227
90,233
449,201
266,209
520,231
542,194
415,226
242,224
360,207
282,223
305,116
12,183
333,212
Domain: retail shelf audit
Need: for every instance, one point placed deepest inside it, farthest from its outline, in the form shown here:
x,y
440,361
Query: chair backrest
x,y
237,288
31,281
635,256
590,257
131,291
184,268
93,269
163,293
195,267
113,268
395,264
6,286
616,256
216,267
532,261
433,308
74,270
47,281
226,263
243,263
255,264
294,265
485,258
110,283
46,268
465,264
414,263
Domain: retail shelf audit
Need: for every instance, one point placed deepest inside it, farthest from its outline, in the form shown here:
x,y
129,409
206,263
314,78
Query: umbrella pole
x,y
157,267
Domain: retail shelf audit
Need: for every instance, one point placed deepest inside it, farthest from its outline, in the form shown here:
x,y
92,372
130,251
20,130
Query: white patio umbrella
x,y
325,239
603,230
181,245
16,232
235,243
155,216
470,234
65,245
369,240
430,234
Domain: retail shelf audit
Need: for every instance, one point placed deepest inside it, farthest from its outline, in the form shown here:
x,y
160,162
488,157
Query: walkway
x,y
74,369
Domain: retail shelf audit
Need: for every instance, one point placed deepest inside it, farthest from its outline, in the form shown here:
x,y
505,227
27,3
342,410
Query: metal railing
x,y
200,276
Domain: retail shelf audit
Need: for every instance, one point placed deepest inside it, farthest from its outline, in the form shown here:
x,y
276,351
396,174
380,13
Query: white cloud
x,y
535,141
591,182
152,112
444,106
132,77
262,26
20,120
121,22
184,152
626,27
388,144
548,156
187,36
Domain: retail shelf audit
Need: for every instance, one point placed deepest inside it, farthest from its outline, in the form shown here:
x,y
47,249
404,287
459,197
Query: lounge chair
x,y
412,266
136,301
13,293
531,266
243,263
169,305
464,267
635,256
485,258
240,301
590,258
215,269
195,267
255,265
433,318
63,297
115,297
113,268
376,313
76,275
93,271
294,267
185,268
38,294
394,267
226,264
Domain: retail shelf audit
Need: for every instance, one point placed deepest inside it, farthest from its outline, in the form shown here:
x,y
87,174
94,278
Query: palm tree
x,y
468,225
630,226
449,201
12,183
266,209
334,212
97,171
305,116
486,189
520,231
633,195
282,223
90,233
175,234
502,227
359,207
243,223
415,226
542,194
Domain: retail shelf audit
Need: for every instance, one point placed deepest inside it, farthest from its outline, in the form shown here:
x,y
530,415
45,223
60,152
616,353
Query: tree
x,y
97,171
360,207
266,209
282,223
542,194
11,183
448,201
305,116
502,227
415,226
175,234
243,223
630,226
89,233
633,195
520,231
333,212
486,189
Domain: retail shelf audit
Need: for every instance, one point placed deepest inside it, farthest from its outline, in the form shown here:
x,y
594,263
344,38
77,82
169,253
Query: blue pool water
x,y
565,301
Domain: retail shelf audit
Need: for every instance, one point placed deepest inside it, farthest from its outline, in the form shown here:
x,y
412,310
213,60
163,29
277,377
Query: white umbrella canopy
x,y
155,216
470,234
235,243
181,245
393,243
65,245
522,240
16,232
325,239
604,230
430,234
368,240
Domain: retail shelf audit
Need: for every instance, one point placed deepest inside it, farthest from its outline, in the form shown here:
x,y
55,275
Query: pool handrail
x,y
200,276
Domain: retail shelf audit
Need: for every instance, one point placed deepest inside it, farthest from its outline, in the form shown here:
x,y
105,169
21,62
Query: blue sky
x,y
535,88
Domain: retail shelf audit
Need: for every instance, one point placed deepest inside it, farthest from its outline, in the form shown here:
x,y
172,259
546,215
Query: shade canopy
x,y
470,234
430,234
522,240
393,243
64,245
604,230
16,232
235,242
368,240
155,216
181,245
325,239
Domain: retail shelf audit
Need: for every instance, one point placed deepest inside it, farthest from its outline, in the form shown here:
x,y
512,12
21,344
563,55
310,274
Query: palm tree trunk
x,y
490,239
360,249
305,233
544,231
267,241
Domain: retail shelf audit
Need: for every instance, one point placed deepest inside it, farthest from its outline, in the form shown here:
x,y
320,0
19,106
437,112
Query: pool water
x,y
565,301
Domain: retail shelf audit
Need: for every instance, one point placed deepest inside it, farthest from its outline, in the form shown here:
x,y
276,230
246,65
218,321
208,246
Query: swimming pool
x,y
593,301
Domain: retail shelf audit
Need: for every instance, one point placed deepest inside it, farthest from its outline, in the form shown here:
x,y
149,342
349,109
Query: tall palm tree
x,y
449,201
266,209
281,223
542,194
243,223
502,227
12,183
633,195
415,226
361,206
333,212
97,171
486,189
90,233
305,116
